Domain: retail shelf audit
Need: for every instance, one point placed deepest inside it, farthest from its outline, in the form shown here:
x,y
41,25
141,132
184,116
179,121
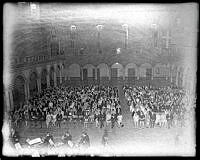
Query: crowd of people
x,y
100,105
150,106
87,104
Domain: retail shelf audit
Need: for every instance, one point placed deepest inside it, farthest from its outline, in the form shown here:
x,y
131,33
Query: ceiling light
x,y
99,27
33,6
73,27
118,50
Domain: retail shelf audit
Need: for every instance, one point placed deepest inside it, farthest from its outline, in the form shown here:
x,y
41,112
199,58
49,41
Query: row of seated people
x,y
150,106
93,103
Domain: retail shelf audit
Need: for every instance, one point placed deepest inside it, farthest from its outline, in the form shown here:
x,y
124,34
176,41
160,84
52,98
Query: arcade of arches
x,y
29,82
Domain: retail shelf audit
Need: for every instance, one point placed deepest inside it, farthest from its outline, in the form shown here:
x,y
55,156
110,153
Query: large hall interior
x,y
87,62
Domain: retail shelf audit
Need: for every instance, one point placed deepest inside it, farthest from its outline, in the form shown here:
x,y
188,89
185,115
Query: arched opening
x,y
18,91
130,72
74,73
116,73
33,88
146,71
44,79
102,73
89,73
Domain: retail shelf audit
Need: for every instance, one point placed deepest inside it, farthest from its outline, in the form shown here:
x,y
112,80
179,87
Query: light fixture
x,y
116,63
73,27
118,50
33,6
125,26
154,26
99,27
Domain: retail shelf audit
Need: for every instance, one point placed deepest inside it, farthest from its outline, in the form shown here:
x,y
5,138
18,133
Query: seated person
x,y
48,140
14,136
84,141
67,139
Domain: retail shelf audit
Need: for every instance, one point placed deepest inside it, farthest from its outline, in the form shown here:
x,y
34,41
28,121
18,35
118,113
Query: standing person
x,y
119,120
59,119
48,119
108,118
14,136
26,117
105,138
101,119
86,120
113,120
97,115
54,115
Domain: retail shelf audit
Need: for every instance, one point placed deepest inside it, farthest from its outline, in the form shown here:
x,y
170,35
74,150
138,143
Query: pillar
x,y
48,76
124,74
26,89
39,84
60,73
54,75
171,74
138,73
39,70
81,73
6,101
152,76
109,73
26,85
11,99
177,71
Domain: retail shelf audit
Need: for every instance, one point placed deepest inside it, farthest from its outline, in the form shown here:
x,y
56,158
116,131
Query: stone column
x,y
39,70
7,105
177,73
109,72
166,72
123,73
81,73
27,90
152,76
96,73
54,75
11,99
48,76
138,73
26,85
171,74
60,73
39,84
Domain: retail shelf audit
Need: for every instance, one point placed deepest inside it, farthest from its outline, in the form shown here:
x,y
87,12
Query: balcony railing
x,y
34,59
